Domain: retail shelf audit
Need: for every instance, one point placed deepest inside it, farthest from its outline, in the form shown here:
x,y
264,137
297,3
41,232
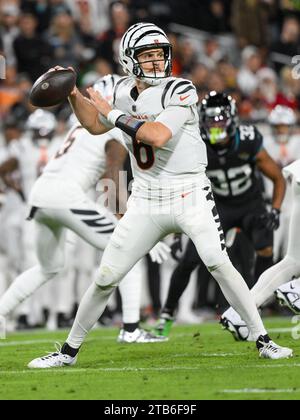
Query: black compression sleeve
x,y
129,125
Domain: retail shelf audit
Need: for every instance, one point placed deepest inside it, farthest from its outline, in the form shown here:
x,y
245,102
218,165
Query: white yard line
x,y
223,355
281,330
260,391
150,369
48,341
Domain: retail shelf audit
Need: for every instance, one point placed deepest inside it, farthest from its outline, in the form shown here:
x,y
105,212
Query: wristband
x,y
129,125
114,115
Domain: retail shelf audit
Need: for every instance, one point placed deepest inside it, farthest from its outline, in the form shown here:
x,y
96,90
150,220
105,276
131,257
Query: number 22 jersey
x,y
233,174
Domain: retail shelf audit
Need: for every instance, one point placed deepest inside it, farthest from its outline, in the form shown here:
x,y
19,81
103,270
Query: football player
x,y
27,156
171,192
280,273
235,152
283,146
59,202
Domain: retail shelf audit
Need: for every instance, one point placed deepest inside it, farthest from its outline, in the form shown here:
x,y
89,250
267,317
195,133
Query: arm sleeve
x,y
174,118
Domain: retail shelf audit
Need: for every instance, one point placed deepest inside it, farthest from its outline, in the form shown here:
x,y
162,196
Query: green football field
x,y
199,362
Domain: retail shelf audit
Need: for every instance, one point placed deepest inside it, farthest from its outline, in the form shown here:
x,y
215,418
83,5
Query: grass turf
x,y
199,362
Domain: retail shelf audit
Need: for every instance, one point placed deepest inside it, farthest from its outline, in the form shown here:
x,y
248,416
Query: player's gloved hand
x,y
177,248
272,219
160,253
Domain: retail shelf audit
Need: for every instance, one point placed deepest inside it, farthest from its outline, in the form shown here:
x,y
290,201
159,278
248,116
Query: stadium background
x,y
243,47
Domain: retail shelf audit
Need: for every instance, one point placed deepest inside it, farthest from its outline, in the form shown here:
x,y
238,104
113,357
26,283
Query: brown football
x,y
52,88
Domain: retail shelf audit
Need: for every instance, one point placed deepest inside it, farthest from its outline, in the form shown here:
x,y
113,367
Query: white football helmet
x,y
42,124
282,119
142,37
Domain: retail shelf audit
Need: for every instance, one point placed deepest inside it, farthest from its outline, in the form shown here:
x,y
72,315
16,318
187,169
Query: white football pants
x,y
139,231
94,226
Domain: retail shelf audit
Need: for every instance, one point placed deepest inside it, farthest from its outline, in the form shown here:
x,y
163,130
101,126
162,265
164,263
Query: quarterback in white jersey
x,y
281,273
59,202
171,192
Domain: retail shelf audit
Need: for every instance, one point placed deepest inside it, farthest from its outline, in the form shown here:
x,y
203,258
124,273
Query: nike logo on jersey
x,y
183,98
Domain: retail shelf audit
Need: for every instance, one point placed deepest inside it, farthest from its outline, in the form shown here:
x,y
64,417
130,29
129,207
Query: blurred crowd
x,y
248,48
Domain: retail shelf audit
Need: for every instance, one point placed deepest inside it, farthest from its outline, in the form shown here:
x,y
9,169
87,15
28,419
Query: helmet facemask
x,y
282,119
218,119
218,127
153,77
282,133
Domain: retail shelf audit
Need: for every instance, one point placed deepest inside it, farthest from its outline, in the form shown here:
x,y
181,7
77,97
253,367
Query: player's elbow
x,y
91,129
94,129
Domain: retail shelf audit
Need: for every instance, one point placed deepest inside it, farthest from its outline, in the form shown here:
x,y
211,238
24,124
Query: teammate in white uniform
x,y
171,192
59,202
283,146
279,274
28,156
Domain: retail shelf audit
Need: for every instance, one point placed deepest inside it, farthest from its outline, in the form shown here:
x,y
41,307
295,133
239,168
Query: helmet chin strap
x,y
153,79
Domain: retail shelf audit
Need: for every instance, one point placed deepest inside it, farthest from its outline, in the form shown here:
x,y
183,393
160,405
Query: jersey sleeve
x,y
174,118
179,92
293,171
258,142
116,91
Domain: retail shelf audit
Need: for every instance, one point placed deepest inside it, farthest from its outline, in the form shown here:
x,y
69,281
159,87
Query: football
x,y
52,88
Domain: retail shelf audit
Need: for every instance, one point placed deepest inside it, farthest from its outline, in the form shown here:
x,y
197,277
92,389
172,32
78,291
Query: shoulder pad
x,y
252,136
179,92
120,82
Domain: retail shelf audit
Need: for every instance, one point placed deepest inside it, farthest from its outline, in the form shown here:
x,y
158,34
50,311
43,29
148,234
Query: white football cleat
x,y
53,360
233,323
139,336
289,295
269,350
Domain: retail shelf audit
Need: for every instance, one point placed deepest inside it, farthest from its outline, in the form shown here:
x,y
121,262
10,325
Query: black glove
x,y
271,220
176,247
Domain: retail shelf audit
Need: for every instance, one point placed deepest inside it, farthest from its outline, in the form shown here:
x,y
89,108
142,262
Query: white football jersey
x,y
293,170
185,154
284,155
32,159
82,157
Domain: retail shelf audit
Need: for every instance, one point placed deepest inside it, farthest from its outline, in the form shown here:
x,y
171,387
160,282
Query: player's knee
x,y
213,258
52,272
219,266
266,252
107,278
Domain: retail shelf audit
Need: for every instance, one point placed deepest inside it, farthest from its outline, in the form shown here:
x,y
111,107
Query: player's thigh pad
x,y
133,238
201,222
50,244
92,224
